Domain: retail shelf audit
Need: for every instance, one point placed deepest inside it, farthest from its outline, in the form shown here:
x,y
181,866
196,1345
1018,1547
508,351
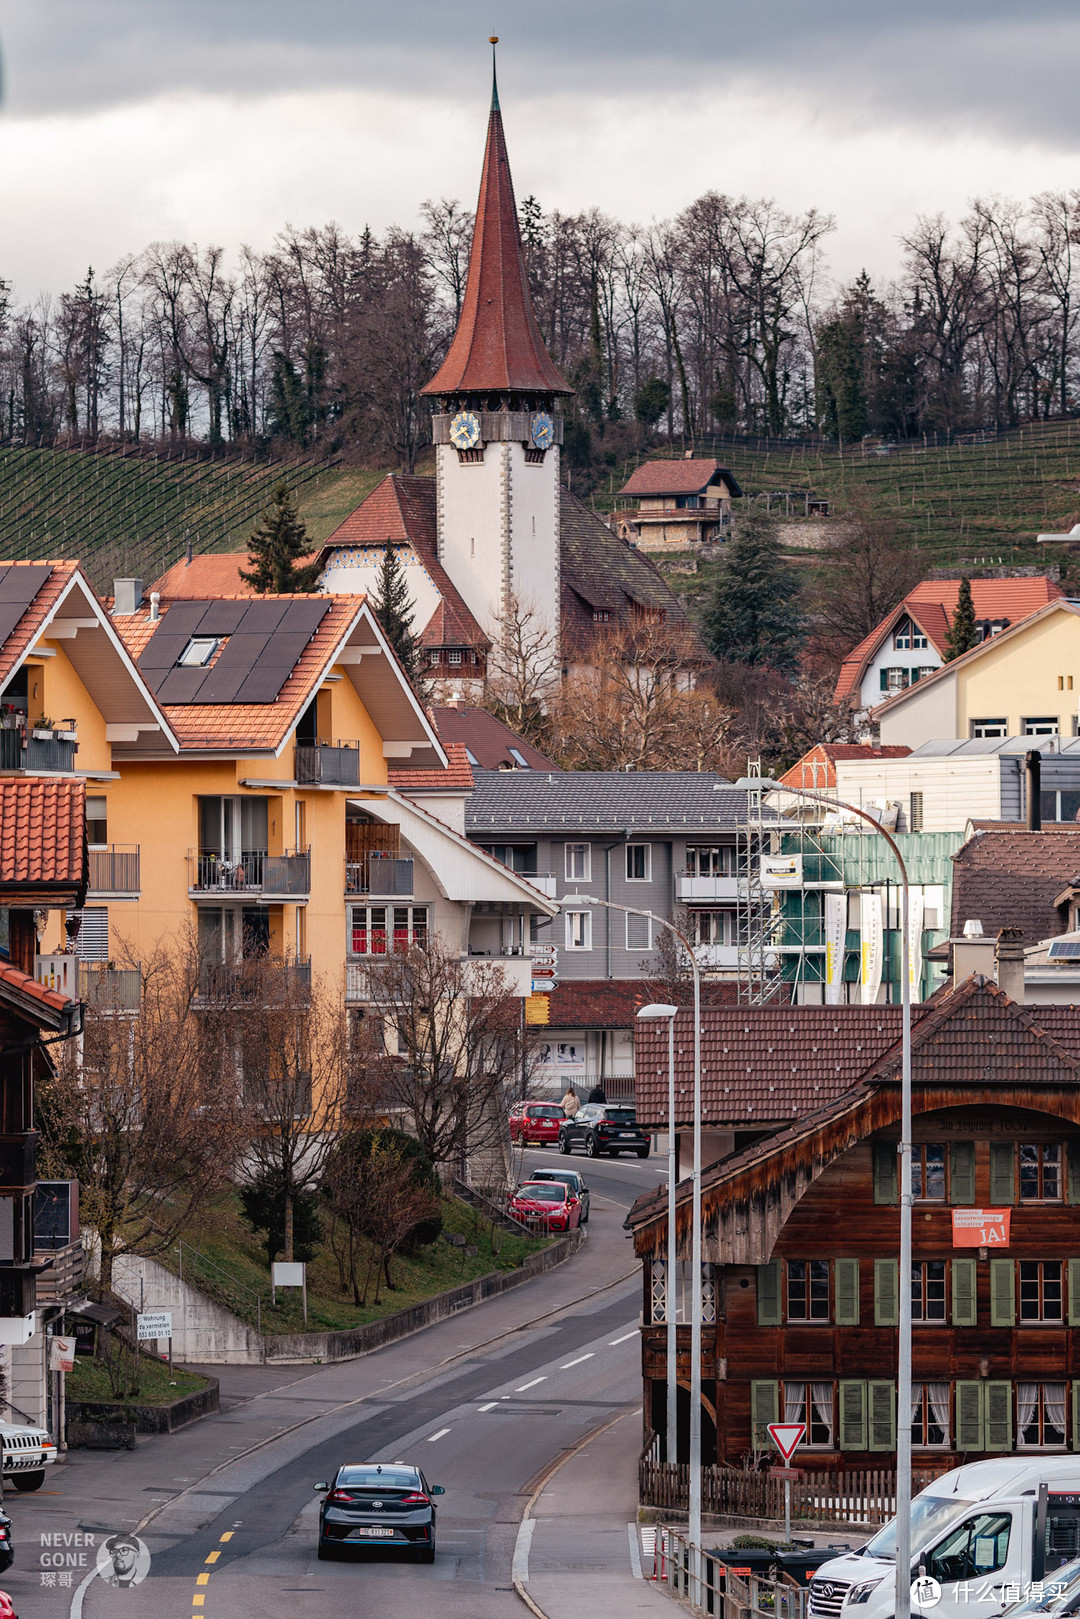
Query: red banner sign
x,y
980,1228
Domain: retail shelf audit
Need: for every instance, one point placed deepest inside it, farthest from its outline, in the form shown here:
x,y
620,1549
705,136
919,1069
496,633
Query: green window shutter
x,y
764,1404
964,1305
852,1416
997,1426
884,679
1002,1293
885,1172
969,1417
962,1172
1074,1292
1002,1173
886,1298
768,1297
1073,1163
881,1416
847,1292
1076,1416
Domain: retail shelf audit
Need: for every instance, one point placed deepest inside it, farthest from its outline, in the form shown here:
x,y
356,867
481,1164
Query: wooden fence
x,y
853,1495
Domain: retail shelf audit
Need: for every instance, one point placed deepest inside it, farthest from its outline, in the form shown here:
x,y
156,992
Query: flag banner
x,y
872,946
916,910
836,908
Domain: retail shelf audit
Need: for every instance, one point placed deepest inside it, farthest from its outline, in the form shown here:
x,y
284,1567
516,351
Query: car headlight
x,y
861,1592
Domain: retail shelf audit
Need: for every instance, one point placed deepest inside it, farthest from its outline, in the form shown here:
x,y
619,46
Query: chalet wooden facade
x,y
801,1231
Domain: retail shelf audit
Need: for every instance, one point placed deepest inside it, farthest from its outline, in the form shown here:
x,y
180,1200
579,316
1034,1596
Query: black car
x,y
7,1550
604,1129
371,1505
568,1177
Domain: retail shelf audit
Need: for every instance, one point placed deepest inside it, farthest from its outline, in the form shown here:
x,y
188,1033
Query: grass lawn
x,y
90,1381
224,1259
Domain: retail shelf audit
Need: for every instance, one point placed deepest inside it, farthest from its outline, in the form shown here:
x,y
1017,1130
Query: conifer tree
x,y
962,633
276,547
393,609
752,614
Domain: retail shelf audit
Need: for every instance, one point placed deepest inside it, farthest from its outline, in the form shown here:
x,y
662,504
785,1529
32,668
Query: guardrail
x,y
722,1592
331,764
115,870
380,872
253,872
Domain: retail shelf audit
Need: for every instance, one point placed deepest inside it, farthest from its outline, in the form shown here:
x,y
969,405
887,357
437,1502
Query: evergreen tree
x,y
392,606
962,633
276,547
752,613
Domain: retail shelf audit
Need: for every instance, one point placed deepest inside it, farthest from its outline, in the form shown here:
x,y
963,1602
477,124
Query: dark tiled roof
x,y
42,838
1011,879
601,571
670,477
604,800
597,1003
487,738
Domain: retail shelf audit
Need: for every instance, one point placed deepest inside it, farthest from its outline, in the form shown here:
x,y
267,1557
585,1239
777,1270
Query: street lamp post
x,y
694,1503
903,1358
652,1014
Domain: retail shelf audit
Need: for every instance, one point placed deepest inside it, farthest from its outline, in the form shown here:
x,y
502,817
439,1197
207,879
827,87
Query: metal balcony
x,y
706,888
110,989
328,764
114,870
22,750
381,871
265,981
269,876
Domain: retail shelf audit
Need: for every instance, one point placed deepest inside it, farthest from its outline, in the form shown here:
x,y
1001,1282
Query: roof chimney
x,y
127,597
1033,784
1009,963
455,701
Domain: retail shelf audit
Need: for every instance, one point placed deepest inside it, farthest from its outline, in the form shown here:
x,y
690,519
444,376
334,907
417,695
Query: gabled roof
x,y
487,739
603,572
1011,879
825,756
497,345
43,857
35,588
205,577
667,476
46,1008
456,778
932,604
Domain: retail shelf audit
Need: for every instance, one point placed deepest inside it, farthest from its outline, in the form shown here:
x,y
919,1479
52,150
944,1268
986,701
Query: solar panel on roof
x,y
304,617
242,651
262,685
10,614
22,584
161,651
181,686
261,617
221,685
184,618
1064,950
282,649
221,618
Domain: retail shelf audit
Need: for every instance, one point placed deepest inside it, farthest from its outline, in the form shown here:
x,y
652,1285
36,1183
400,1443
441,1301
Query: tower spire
x,y
497,346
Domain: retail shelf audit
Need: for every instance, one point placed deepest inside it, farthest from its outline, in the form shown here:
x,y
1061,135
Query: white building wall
x,y
355,569
26,1378
926,713
954,789
888,657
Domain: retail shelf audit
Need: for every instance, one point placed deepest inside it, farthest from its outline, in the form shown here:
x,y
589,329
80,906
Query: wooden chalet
x,y
801,1230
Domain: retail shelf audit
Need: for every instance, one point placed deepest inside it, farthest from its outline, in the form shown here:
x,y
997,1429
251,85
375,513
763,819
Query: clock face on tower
x,y
542,430
465,430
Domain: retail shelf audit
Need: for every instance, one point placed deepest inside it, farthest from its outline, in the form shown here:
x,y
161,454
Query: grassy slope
x,y
90,1381
224,1238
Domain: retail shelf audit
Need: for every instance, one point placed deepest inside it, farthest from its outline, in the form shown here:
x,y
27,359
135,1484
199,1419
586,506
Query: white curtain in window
x,y
794,1402
1054,1403
916,1399
939,1405
822,1396
1026,1396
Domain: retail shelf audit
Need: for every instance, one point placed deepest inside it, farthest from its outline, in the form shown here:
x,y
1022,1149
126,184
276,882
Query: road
x,y
483,1402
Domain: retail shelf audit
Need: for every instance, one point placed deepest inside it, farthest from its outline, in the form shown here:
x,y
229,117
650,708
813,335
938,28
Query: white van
x,y
27,1453
973,1533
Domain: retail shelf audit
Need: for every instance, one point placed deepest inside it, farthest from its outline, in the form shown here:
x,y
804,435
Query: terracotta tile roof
x,y
487,738
1011,879
497,344
32,1000
671,477
825,756
42,837
458,778
205,577
259,726
402,508
28,627
932,603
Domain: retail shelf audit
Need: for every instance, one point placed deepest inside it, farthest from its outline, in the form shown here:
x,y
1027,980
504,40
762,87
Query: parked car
x,y
536,1124
604,1129
7,1607
7,1550
548,1204
28,1450
369,1505
571,1178
1057,1594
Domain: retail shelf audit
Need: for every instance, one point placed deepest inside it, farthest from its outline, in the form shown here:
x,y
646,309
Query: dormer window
x,y
908,637
601,615
198,652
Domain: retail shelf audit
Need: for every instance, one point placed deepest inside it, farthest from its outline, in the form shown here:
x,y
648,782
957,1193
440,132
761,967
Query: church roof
x,y
497,345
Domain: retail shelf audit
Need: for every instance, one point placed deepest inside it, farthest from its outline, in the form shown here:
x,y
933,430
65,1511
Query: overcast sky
x,y
126,121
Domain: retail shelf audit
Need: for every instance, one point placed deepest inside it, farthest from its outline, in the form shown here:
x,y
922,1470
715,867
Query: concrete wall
x,y
202,1330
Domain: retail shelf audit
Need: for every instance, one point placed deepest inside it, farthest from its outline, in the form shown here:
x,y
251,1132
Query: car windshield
x,y
929,1513
621,1115
546,1113
545,1193
372,1478
567,1177
1058,1590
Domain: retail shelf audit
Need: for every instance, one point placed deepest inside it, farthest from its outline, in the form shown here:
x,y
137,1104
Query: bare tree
x,y
380,1191
867,572
522,667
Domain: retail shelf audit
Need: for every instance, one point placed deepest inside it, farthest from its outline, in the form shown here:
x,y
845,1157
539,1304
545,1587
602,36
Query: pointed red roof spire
x,y
497,345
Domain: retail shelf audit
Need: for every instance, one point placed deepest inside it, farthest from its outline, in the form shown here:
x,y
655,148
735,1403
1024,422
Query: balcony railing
x,y
381,871
706,888
115,870
284,876
20,749
110,989
266,981
331,764
543,880
18,1160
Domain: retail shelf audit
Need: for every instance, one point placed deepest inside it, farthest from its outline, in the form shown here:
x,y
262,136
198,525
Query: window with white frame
x,y
375,930
909,637
930,1416
579,930
712,927
639,862
895,679
990,727
1040,1415
638,932
811,1404
710,860
578,862
1039,725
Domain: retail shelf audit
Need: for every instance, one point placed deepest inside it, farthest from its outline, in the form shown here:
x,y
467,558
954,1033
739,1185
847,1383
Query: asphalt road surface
x,y
484,1403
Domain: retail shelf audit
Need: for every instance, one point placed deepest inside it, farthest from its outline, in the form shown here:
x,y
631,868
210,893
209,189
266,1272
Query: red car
x,y
536,1124
7,1607
551,1205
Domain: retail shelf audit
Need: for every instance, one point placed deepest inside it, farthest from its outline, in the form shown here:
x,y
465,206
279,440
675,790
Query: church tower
x,y
496,431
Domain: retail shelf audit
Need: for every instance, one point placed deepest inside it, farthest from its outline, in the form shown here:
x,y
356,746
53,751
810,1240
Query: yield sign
x,y
787,1436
